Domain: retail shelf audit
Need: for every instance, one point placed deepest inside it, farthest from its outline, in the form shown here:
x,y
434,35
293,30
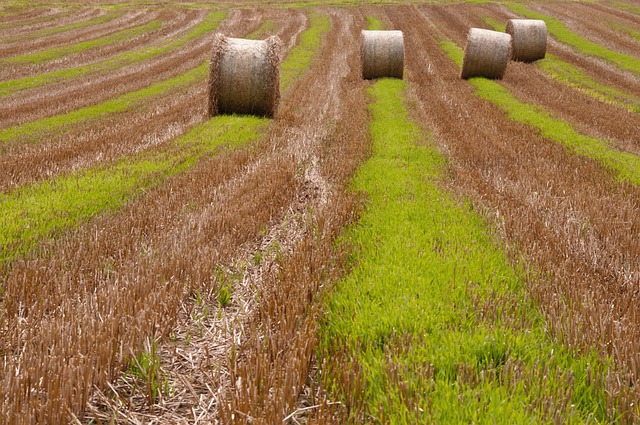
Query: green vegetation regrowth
x,y
422,329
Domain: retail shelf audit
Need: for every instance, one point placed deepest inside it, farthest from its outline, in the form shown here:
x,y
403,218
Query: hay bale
x,y
486,54
244,77
382,54
529,39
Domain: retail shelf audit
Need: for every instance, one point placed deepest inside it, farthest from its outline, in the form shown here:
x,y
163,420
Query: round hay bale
x,y
382,54
529,39
244,77
486,54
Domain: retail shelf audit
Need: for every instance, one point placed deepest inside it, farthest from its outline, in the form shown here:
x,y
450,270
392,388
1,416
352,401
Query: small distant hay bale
x,y
244,77
382,54
529,39
486,54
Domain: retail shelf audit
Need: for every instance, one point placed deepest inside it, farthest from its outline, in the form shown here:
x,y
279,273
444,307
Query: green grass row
x,y
47,32
574,77
561,33
303,55
59,52
44,208
35,131
625,165
409,318
210,23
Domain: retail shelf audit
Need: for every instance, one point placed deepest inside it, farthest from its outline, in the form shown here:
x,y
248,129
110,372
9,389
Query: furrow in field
x,y
596,24
151,26
156,63
97,21
565,212
587,114
175,234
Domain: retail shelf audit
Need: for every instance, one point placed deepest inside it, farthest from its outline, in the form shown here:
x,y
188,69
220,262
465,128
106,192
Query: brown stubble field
x,y
74,310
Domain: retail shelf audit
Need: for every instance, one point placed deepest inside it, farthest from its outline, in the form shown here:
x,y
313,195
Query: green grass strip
x,y
46,207
58,52
46,32
267,28
33,132
625,165
407,315
625,29
374,24
210,23
574,77
561,33
301,57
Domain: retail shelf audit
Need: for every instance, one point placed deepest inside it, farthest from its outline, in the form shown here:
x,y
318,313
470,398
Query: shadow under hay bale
x,y
244,77
529,39
382,54
486,54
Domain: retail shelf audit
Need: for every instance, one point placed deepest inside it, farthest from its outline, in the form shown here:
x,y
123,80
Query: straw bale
x,y
486,54
529,38
382,54
244,77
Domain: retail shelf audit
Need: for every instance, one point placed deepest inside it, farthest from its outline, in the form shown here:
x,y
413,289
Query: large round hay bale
x,y
529,39
244,76
382,54
486,54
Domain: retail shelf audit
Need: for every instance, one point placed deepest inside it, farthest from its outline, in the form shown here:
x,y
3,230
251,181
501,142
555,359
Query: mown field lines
x,y
198,216
561,33
42,26
210,22
424,337
578,79
36,131
625,165
58,52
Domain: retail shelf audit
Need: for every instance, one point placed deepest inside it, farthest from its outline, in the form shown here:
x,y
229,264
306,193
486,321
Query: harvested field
x,y
424,250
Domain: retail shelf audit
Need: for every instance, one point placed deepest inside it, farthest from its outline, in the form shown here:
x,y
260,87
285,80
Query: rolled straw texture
x,y
244,77
382,54
486,54
529,39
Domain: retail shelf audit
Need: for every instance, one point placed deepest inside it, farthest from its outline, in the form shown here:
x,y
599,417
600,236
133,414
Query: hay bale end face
x,y
244,76
529,39
486,54
382,54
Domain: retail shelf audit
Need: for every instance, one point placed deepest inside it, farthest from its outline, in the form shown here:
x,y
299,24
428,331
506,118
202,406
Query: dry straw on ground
x,y
244,76
382,54
486,54
529,38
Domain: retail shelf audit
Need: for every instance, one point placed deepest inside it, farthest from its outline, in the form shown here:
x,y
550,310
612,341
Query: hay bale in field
x,y
244,77
529,39
486,54
382,54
